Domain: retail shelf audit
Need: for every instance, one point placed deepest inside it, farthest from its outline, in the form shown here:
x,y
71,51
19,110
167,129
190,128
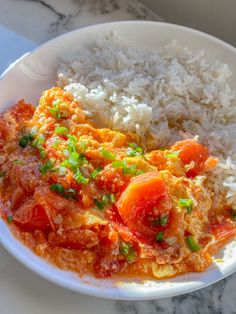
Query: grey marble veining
x,y
219,298
40,20
21,291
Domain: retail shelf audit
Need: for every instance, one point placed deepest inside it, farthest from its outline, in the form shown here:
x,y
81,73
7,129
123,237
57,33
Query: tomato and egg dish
x,y
97,201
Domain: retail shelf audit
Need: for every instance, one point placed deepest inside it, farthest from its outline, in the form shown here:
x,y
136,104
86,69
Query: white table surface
x,y
23,25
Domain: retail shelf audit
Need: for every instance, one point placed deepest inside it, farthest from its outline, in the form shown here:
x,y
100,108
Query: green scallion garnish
x,y
54,110
163,220
134,150
96,172
127,251
2,174
233,214
9,219
187,203
67,193
80,178
25,139
160,237
46,167
139,172
39,142
113,199
132,169
192,244
172,155
56,143
98,204
107,154
119,164
72,143
125,248
58,188
61,130
61,171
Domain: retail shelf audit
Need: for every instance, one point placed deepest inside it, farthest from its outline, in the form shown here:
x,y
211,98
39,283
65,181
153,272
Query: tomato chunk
x,y
74,239
32,216
192,151
223,231
143,201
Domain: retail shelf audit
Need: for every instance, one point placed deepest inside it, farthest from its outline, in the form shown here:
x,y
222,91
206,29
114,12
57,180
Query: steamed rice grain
x,y
162,96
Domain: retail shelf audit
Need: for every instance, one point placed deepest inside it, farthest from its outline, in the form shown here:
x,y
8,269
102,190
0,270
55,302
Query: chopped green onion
x,y
125,248
119,163
65,163
98,204
107,154
74,158
133,145
132,169
38,142
192,244
163,148
56,102
96,172
71,143
172,155
106,199
61,130
54,110
9,219
80,178
66,153
163,220
2,173
159,237
233,214
67,193
134,150
58,188
113,199
24,140
187,203
131,257
83,146
139,172
46,167
62,171
43,153
83,160
56,143
131,152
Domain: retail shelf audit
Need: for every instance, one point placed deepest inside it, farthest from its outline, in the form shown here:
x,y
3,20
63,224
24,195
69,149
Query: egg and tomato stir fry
x,y
94,201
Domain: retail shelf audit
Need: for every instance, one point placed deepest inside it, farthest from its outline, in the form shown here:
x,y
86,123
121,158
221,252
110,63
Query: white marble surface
x,y
21,291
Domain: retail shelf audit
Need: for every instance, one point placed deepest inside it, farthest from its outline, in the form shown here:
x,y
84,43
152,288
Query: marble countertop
x,y
33,22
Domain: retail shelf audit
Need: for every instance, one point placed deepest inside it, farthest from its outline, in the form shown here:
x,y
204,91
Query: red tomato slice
x,y
223,232
144,199
192,151
74,239
31,216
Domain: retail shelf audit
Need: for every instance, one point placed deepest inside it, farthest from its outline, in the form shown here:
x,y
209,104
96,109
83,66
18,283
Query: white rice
x,y
162,96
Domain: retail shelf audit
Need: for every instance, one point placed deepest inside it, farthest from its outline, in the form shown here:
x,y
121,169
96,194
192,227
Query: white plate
x,y
33,73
